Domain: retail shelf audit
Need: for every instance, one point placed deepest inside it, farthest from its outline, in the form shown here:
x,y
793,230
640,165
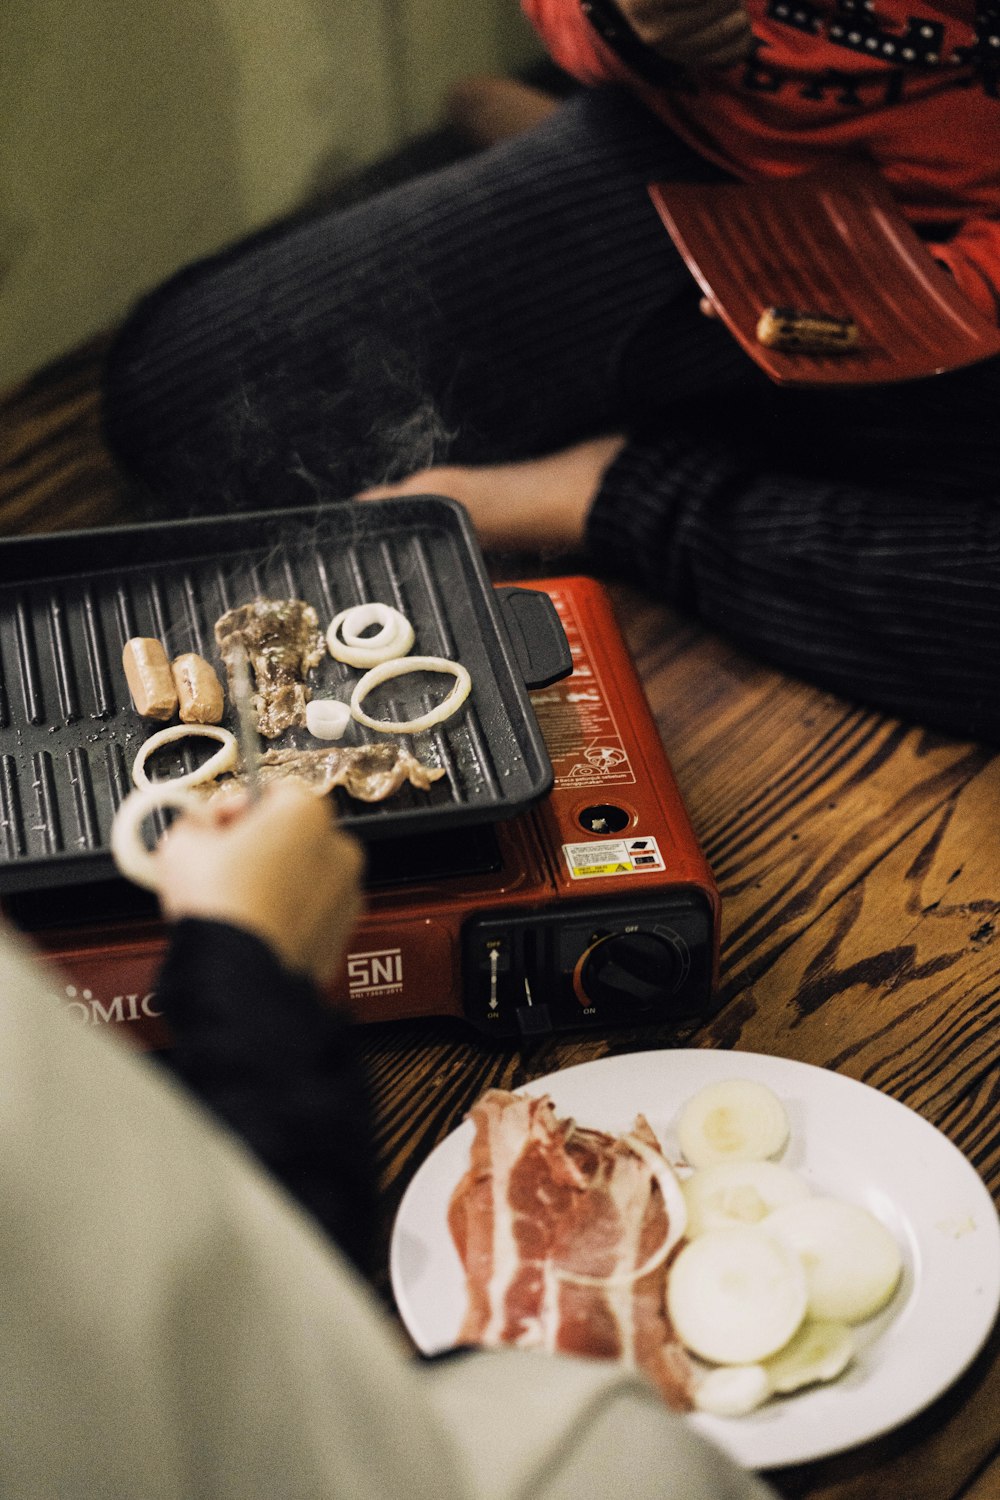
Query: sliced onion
x,y
852,1261
224,758
736,1296
327,718
346,642
735,1119
130,854
732,1390
362,617
399,668
738,1192
820,1351
676,1209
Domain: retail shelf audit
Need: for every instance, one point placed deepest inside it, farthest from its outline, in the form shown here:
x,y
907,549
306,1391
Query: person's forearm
x,y
891,601
256,1046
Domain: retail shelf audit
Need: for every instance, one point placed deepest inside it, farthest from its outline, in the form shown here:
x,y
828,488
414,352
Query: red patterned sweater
x,y
912,86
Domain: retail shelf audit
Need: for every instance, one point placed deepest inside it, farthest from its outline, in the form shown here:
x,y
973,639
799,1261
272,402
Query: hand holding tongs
x,y
130,854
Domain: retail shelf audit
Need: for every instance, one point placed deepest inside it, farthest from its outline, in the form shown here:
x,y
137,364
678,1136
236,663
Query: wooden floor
x,y
55,474
857,861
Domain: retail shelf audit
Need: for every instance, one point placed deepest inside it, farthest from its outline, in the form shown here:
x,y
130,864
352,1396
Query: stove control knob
x,y
634,971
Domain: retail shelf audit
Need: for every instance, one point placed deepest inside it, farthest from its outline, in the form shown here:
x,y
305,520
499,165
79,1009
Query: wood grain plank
x,y
986,1485
55,471
794,793
897,982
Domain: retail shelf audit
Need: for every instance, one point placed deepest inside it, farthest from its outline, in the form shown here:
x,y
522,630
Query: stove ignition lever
x,y
493,962
494,966
533,1020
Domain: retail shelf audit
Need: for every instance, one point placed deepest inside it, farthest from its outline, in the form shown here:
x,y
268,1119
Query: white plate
x,y
848,1140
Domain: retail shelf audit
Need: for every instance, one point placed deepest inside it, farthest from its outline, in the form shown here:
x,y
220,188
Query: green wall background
x,y
137,136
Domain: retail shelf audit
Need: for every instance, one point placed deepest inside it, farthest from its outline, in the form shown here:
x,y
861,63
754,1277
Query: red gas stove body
x,y
595,908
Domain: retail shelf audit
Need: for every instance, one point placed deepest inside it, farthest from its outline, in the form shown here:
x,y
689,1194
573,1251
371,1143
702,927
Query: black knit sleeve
x,y
888,598
256,1045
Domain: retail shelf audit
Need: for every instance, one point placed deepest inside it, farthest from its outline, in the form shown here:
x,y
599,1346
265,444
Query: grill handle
x,y
536,635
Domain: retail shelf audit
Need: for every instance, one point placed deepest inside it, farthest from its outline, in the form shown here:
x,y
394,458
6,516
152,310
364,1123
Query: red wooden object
x,y
832,242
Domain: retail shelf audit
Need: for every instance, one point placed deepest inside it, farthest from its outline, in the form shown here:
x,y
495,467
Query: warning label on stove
x,y
634,856
581,732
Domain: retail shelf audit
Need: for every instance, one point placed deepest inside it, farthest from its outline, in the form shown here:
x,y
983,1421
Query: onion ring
x,y
345,641
327,718
399,668
130,854
223,760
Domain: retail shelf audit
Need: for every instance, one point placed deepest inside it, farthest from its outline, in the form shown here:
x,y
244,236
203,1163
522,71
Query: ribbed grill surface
x,y
69,733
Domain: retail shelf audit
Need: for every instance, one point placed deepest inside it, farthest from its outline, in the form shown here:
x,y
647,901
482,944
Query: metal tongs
x,y
248,736
133,859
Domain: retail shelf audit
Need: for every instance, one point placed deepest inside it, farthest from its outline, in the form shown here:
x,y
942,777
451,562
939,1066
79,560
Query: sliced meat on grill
x,y
369,773
543,1202
282,642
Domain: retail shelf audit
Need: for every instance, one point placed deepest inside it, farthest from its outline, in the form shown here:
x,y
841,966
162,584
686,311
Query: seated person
x,y
517,330
173,1322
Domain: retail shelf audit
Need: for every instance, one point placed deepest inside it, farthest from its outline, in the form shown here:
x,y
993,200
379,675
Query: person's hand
x,y
697,33
537,503
280,868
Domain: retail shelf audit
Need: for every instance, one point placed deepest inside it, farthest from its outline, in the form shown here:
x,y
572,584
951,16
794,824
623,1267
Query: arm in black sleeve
x,y
254,1043
892,599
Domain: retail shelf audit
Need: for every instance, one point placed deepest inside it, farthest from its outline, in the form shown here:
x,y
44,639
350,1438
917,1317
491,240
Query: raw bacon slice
x,y
551,1222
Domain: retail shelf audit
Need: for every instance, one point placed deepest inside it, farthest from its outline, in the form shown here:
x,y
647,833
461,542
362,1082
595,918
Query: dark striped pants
x,y
528,297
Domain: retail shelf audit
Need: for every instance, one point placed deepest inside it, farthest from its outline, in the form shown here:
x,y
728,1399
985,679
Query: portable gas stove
x,y
590,906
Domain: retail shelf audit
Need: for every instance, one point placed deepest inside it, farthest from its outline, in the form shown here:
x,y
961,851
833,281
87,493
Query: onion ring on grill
x,y
223,760
129,852
327,718
345,641
399,668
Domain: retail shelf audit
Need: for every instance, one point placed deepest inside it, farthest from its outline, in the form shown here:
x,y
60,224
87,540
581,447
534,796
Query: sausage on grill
x,y
199,690
149,678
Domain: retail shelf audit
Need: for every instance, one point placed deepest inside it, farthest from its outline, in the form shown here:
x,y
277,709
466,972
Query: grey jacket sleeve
x,y
174,1326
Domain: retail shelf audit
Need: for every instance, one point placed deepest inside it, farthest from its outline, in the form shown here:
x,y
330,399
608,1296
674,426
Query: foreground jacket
x,y
911,86
173,1326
